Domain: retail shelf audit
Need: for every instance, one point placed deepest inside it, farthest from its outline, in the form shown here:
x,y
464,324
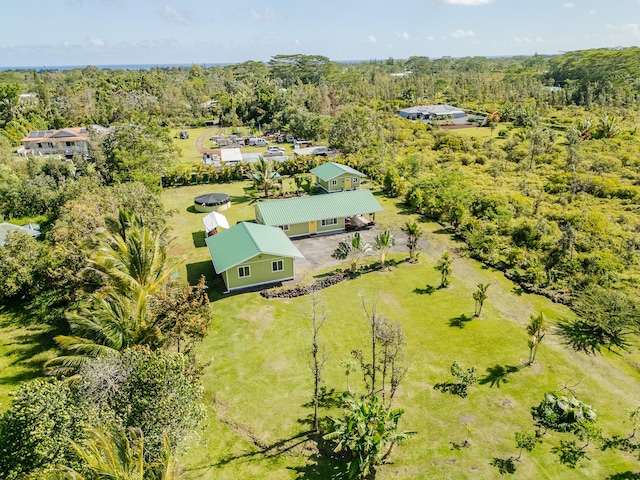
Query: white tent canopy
x,y
214,220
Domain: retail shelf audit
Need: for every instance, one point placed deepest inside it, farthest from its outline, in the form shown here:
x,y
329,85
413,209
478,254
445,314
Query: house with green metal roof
x,y
317,214
335,177
249,254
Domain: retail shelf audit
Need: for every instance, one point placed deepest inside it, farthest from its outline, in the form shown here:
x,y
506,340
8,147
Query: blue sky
x,y
101,32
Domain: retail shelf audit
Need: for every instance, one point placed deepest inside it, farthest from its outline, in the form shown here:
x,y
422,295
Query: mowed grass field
x,y
258,384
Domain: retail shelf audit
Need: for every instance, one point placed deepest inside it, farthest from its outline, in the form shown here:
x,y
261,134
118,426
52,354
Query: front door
x,y
347,184
312,228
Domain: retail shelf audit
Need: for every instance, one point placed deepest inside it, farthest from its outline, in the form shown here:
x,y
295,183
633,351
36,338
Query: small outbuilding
x,y
335,177
250,255
212,201
318,214
231,155
212,221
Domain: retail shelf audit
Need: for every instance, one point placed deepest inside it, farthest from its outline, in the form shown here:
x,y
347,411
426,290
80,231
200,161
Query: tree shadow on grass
x,y
26,360
460,321
497,375
324,464
628,475
504,465
328,399
428,290
262,452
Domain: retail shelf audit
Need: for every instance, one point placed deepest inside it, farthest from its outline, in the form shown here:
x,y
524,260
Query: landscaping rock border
x,y
307,289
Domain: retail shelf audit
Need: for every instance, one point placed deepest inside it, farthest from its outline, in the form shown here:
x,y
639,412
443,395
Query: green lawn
x,y
23,350
258,384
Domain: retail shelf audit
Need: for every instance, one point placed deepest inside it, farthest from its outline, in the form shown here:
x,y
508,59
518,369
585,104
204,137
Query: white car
x,y
275,150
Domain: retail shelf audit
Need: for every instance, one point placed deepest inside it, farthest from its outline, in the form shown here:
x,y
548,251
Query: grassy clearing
x,y
258,385
23,350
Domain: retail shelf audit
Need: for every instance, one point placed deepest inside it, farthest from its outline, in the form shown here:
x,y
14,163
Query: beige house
x,y
66,142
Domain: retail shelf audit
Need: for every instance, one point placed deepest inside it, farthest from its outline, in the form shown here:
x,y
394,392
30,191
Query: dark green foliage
x,y
606,319
562,414
21,266
466,378
569,453
35,431
367,432
153,391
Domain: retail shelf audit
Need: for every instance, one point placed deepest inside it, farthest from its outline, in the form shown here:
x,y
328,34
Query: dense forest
x,y
549,197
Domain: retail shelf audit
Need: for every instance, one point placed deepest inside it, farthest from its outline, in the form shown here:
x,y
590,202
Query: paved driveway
x,y
317,251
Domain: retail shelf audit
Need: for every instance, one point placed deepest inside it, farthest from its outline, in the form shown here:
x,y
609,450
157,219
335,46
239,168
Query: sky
x,y
45,33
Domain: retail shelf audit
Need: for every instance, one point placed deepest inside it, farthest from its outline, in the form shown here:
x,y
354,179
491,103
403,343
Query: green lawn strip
x,y
23,350
259,379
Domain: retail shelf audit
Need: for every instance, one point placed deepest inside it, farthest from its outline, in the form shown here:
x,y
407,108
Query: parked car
x,y
261,142
273,150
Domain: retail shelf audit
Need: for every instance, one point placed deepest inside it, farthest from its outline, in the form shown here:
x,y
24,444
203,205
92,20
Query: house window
x,y
334,183
355,179
244,271
284,228
329,221
69,144
277,266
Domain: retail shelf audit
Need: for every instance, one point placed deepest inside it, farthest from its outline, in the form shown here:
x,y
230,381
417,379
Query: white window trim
x,y
274,264
334,183
285,228
329,221
355,179
248,267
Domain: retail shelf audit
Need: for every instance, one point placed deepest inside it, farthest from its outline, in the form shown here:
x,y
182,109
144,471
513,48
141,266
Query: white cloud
x,y
466,2
430,38
459,33
371,39
527,40
96,42
592,12
403,35
297,42
269,15
629,29
569,5
174,16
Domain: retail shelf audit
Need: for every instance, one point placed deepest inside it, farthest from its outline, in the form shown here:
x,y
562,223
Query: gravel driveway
x,y
317,251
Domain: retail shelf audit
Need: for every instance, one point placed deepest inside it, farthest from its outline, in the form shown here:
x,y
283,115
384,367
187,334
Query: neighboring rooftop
x,y
330,170
244,241
230,155
72,134
317,207
6,228
427,111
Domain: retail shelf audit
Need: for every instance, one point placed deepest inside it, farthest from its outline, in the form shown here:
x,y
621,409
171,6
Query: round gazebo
x,y
210,202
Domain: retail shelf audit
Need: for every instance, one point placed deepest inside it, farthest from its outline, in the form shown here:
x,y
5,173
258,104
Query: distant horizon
x,y
148,66
169,32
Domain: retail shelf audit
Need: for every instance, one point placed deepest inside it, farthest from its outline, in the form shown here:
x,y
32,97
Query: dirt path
x,y
201,142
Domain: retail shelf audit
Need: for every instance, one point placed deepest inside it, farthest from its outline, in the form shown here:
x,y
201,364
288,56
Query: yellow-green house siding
x,y
260,272
328,186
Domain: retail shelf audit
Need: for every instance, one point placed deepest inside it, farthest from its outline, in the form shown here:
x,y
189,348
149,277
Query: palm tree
x,y
115,453
384,242
264,175
493,118
107,326
536,329
353,247
133,262
480,295
607,127
414,233
444,267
